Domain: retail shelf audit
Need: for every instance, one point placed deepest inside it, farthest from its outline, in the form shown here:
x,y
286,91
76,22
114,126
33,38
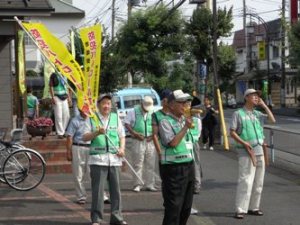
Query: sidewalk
x,y
52,203
287,111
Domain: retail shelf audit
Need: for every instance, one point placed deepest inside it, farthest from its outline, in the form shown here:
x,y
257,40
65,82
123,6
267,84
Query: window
x,y
28,40
275,51
116,101
131,101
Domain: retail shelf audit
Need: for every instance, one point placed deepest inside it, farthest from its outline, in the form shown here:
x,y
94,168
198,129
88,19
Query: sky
x,y
101,9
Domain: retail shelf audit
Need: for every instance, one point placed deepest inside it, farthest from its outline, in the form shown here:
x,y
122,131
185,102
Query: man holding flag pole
x,y
107,136
87,85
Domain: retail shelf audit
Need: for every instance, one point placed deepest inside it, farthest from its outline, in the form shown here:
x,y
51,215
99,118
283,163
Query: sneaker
x,y
153,189
204,147
106,199
81,201
137,189
211,148
194,211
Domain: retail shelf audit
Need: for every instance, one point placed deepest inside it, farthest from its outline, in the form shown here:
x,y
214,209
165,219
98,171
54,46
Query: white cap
x,y
147,103
179,96
250,91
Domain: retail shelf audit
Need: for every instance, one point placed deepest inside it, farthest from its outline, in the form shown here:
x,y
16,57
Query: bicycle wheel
x,y
24,169
4,153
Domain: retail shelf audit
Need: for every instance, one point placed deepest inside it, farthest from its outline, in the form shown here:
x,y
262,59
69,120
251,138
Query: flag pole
x,y
125,160
34,41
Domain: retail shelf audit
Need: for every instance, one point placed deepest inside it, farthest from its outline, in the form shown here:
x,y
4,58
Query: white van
x,y
125,99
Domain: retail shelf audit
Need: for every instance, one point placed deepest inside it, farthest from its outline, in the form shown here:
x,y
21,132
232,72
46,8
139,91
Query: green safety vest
x,y
142,126
101,144
183,152
60,89
195,131
252,131
31,102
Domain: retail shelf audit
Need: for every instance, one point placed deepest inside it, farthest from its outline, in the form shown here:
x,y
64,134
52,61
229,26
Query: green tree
x,y
148,40
200,30
226,60
295,46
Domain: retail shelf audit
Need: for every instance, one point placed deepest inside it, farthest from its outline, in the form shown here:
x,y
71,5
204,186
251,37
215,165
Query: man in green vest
x,y
176,160
247,130
32,105
107,136
139,124
60,97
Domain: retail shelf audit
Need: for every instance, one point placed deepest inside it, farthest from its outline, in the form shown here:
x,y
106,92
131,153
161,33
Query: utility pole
x,y
113,17
246,36
283,34
224,138
215,45
129,9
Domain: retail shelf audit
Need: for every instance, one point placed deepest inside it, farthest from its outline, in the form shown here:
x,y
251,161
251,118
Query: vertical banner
x,y
57,53
91,39
294,11
261,46
48,70
21,65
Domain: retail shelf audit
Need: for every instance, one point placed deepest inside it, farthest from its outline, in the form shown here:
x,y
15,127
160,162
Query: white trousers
x,y
196,151
62,115
250,184
80,169
144,162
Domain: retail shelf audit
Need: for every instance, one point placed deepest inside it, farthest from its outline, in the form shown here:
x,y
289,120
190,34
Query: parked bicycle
x,y
21,168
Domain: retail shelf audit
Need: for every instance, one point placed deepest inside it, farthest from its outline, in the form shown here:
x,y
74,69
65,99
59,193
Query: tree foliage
x,y
149,39
295,45
227,63
200,30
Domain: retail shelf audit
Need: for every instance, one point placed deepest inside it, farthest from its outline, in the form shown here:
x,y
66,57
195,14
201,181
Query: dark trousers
x,y
177,190
208,132
100,175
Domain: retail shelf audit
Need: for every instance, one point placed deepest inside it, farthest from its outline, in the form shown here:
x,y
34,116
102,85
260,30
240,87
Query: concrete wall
x,y
6,92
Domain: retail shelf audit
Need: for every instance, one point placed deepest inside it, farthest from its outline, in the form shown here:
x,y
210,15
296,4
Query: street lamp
x,y
267,30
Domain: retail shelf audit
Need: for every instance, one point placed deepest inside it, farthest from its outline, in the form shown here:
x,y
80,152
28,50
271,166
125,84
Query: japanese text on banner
x,y
91,39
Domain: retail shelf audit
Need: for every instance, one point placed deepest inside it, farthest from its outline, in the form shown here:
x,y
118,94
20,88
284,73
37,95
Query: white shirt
x,y
107,159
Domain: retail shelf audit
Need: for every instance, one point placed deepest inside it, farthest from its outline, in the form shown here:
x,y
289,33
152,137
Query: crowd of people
x,y
165,142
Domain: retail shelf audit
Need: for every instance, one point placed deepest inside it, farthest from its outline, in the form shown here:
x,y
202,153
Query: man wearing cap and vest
x,y
107,136
60,97
78,153
139,124
247,130
176,161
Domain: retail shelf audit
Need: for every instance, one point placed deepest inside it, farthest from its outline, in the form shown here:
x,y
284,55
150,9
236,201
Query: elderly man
x,y
176,160
139,123
247,131
107,136
78,153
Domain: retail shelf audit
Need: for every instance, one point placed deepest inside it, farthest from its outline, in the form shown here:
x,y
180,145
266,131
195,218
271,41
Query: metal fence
x,y
283,140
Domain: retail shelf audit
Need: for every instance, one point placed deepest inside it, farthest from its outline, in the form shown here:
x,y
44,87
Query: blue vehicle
x,y
125,99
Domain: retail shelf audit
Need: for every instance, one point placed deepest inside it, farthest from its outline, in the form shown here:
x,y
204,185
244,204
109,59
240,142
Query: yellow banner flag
x,y
21,66
57,53
261,46
91,39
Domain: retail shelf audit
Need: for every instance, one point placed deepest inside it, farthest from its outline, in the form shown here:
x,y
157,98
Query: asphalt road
x,y
52,203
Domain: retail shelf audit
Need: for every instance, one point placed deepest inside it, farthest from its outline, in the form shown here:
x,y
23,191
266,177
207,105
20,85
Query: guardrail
x,y
285,140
